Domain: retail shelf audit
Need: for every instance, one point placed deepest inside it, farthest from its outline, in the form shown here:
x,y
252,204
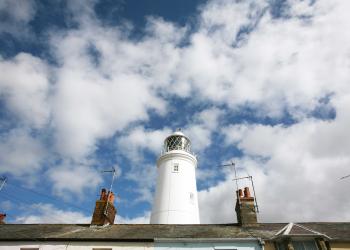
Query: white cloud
x,y
138,139
133,145
282,64
261,140
332,138
105,83
73,178
164,32
47,213
144,176
19,10
223,193
199,131
296,171
291,64
222,20
96,96
143,219
21,154
6,205
25,94
220,195
24,85
16,16
202,127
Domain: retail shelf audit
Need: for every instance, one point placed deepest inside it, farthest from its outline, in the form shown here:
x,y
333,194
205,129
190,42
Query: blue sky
x,y
85,87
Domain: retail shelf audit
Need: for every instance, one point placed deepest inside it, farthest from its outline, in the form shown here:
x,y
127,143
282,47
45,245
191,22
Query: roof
x,y
178,133
150,232
297,230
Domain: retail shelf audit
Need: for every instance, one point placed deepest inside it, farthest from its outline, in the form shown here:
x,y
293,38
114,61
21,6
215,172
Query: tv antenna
x,y
252,182
232,165
249,177
110,188
344,177
3,181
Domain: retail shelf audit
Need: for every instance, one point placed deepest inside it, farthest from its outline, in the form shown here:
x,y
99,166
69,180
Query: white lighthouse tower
x,y
176,199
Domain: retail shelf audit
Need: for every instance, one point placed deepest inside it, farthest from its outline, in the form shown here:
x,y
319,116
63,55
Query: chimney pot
x,y
246,192
240,193
111,197
103,196
2,217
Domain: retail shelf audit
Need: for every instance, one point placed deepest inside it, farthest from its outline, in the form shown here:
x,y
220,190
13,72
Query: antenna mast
x,y
252,182
110,188
232,164
346,176
245,177
3,182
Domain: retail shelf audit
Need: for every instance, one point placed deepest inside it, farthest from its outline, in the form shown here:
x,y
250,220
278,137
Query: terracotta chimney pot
x,y
246,192
111,197
103,196
2,217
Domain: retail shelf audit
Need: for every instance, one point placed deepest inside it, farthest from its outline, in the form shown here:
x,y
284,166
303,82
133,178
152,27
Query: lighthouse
x,y
176,199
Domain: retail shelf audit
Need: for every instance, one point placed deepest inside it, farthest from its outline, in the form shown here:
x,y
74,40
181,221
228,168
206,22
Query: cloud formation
x,y
15,16
47,213
290,64
272,89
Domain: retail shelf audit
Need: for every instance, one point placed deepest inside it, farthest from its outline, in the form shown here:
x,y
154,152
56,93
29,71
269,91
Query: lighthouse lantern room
x,y
176,199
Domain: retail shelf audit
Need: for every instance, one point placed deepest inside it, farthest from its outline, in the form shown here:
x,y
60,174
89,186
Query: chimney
x,y
245,208
2,218
105,211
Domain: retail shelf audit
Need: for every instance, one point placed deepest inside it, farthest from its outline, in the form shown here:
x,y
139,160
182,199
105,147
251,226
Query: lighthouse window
x,y
191,198
176,167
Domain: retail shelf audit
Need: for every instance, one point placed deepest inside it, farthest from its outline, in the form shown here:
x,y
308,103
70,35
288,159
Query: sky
x,y
87,86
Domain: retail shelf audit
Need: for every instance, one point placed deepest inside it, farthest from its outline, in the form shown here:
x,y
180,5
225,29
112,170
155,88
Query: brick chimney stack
x,y
245,208
105,211
2,218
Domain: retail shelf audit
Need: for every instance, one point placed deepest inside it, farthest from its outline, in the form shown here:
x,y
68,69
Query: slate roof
x,y
149,232
300,230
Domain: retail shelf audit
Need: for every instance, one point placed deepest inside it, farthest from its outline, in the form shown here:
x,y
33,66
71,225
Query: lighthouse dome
x,y
177,141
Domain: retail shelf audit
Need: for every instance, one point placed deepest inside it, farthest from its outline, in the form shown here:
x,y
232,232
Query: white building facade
x,y
161,244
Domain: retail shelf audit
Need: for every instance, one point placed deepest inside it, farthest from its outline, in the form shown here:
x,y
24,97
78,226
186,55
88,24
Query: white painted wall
x,y
246,245
76,245
238,245
176,200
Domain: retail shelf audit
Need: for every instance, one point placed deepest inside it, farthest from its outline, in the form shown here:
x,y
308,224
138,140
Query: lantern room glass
x,y
177,142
